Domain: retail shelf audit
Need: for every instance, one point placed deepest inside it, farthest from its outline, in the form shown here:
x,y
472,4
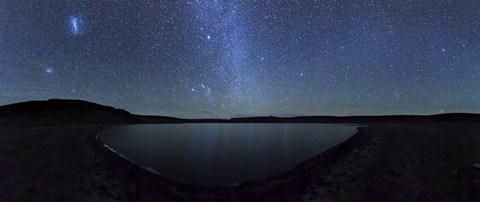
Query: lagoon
x,y
222,154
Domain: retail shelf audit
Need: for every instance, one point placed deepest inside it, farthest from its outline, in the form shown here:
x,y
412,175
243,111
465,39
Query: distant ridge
x,y
68,112
450,117
79,112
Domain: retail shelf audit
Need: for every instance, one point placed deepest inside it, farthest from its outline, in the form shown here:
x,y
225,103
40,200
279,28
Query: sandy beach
x,y
382,162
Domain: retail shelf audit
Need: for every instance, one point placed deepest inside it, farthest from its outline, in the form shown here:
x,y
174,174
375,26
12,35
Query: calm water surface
x,y
221,154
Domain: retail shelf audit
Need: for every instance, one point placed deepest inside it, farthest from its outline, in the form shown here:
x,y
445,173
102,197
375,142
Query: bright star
x,y
48,71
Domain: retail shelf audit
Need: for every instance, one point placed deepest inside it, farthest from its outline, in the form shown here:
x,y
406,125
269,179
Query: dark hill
x,y
68,112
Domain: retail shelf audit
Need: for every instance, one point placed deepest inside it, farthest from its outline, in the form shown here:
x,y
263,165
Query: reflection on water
x,y
219,154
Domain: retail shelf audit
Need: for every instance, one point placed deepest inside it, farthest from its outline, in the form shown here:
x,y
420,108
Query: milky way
x,y
212,58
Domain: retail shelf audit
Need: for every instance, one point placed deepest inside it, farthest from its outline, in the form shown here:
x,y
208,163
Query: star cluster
x,y
214,58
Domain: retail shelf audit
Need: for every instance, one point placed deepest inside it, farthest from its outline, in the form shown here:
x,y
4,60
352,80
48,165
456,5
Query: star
x,y
48,71
325,57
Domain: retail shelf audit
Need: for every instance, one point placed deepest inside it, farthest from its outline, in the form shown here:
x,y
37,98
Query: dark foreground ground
x,y
407,162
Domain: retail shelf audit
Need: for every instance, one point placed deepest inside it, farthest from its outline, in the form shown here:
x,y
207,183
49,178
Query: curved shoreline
x,y
247,190
395,162
97,137
151,170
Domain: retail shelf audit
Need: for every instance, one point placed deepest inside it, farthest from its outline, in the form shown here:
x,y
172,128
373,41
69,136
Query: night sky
x,y
212,58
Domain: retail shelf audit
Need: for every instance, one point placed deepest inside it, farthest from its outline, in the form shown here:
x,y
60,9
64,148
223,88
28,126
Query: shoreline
x,y
123,156
234,185
405,162
359,160
246,190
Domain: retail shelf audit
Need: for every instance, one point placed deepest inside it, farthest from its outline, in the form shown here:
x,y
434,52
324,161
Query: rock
x,y
476,165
